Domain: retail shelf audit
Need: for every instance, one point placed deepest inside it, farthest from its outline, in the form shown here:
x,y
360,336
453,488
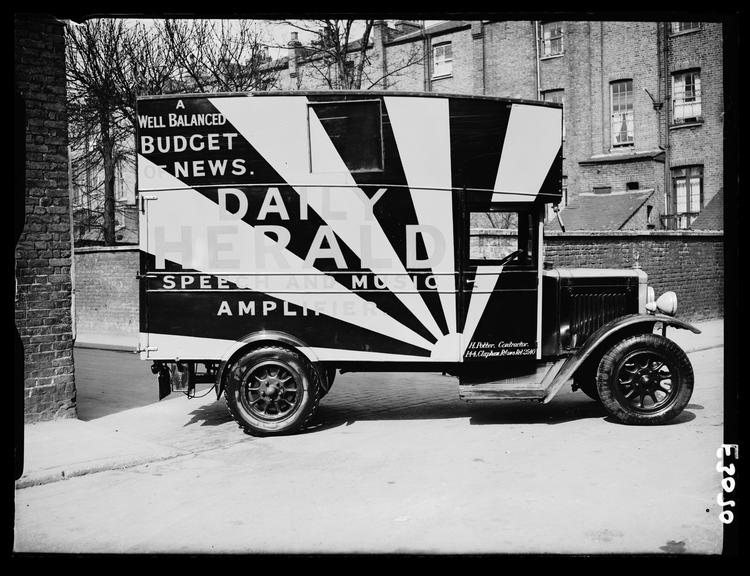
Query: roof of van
x,y
352,93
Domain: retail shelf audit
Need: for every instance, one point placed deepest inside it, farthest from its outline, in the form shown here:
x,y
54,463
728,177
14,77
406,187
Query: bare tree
x,y
219,55
110,62
343,62
333,55
95,102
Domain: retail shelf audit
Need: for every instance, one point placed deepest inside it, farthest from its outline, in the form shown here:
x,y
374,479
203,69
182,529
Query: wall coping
x,y
607,233
635,233
90,249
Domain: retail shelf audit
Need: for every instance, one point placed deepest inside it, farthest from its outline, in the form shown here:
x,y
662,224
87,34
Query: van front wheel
x,y
272,391
645,379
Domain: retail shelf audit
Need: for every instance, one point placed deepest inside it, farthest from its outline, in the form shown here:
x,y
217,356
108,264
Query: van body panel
x,y
342,219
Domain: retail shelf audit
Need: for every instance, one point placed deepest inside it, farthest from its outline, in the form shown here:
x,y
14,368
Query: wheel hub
x,y
645,381
270,391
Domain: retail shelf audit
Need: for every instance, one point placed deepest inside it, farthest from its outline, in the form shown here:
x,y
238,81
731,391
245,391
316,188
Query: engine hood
x,y
577,301
597,273
603,276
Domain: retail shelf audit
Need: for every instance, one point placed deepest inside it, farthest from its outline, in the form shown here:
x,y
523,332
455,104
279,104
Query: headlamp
x,y
666,303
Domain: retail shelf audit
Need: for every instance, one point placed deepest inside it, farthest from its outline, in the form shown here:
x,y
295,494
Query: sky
x,y
279,33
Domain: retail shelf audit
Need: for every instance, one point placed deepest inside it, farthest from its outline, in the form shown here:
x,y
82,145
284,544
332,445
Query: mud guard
x,y
268,337
626,325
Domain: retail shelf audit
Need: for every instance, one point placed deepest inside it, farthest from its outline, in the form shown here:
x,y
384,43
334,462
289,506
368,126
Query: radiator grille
x,y
591,309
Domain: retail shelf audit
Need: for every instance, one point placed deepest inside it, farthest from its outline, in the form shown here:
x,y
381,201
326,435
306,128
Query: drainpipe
x,y
72,249
667,101
426,60
536,52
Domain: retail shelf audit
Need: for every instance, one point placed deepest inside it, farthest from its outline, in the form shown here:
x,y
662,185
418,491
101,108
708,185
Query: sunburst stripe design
x,y
198,214
200,348
484,285
276,128
168,305
531,144
421,128
258,170
477,132
248,311
394,209
301,237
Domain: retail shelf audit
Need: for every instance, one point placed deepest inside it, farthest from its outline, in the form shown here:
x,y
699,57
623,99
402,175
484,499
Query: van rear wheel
x,y
272,391
645,379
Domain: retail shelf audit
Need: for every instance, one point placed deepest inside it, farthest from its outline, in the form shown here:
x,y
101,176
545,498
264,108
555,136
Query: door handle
x,y
143,198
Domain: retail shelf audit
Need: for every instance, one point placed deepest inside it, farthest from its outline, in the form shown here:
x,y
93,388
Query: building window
x,y
442,60
552,39
687,187
680,27
557,96
622,113
686,97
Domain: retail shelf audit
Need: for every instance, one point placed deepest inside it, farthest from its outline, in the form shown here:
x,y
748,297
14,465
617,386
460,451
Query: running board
x,y
534,386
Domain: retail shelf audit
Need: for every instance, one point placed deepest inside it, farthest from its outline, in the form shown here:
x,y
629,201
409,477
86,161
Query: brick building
x,y
643,101
43,250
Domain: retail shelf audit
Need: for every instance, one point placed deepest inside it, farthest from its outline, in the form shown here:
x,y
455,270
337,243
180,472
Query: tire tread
x,y
609,363
315,392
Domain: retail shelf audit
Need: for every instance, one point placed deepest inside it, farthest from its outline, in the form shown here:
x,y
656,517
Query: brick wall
x,y
500,58
461,79
700,144
509,60
691,264
42,254
648,173
107,291
408,78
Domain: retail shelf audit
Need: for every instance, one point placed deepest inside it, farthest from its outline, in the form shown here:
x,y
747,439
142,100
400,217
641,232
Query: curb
x,y
703,348
103,346
56,475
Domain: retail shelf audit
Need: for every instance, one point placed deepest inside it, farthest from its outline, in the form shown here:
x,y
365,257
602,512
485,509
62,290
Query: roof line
x,y
636,210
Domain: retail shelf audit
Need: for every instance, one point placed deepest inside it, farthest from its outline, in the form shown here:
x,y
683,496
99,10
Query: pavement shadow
x,y
486,413
530,413
682,418
213,414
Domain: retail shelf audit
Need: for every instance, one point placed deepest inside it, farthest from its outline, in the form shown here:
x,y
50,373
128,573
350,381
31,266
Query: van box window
x,y
355,129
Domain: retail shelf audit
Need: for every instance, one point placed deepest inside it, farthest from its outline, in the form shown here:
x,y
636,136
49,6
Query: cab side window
x,y
495,235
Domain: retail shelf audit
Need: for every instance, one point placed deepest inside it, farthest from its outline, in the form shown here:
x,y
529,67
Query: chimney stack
x,y
406,26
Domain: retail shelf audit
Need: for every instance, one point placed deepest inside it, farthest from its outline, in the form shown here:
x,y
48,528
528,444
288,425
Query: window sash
x,y
552,39
687,184
678,27
686,96
622,113
442,59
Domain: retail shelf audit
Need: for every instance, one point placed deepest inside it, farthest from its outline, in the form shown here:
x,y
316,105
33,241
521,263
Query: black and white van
x,y
288,235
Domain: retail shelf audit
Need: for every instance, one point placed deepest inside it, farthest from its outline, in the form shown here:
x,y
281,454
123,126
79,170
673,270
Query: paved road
x,y
109,381
397,463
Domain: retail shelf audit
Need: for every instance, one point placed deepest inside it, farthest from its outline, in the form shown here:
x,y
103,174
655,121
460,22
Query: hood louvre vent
x,y
592,307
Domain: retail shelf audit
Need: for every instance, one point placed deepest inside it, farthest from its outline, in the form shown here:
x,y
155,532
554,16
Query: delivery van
x,y
285,236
